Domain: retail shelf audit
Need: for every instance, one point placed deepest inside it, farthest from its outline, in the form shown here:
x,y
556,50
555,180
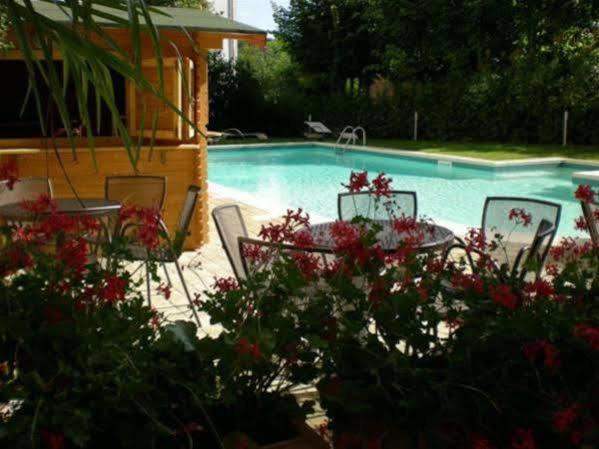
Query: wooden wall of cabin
x,y
178,164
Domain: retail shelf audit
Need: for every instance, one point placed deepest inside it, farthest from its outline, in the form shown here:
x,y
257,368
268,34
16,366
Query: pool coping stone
x,y
584,175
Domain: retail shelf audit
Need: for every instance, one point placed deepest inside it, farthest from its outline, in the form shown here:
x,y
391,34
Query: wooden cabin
x,y
179,153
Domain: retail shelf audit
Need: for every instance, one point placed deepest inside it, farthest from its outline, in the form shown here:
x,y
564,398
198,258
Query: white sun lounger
x,y
317,130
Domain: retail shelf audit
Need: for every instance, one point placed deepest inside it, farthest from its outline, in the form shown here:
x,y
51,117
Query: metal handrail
x,y
352,137
359,128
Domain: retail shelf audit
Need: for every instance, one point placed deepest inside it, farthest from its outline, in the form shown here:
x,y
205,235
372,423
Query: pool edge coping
x,y
590,175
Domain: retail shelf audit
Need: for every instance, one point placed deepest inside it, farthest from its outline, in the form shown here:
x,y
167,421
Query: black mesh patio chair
x,y
521,245
230,226
172,250
591,216
25,189
397,204
148,192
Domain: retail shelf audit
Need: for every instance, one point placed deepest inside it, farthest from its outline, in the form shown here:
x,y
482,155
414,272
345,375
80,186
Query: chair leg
x,y
168,277
191,305
148,285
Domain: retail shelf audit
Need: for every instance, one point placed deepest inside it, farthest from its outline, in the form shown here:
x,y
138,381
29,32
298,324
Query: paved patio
x,y
202,266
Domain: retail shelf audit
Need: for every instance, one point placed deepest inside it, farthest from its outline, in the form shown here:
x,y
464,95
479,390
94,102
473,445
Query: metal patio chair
x,y
397,204
521,245
230,226
591,216
141,191
25,189
171,252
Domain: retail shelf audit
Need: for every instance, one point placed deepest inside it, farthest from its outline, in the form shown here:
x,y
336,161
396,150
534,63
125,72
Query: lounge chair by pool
x,y
317,130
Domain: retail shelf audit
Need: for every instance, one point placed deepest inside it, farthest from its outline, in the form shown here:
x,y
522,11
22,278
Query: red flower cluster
x,y
113,290
245,348
147,221
303,239
52,440
467,282
255,254
348,241
225,285
504,296
588,333
73,254
475,239
564,419
540,288
164,290
580,224
520,216
585,194
381,185
286,230
480,442
541,350
42,204
357,181
524,439
568,247
308,264
8,173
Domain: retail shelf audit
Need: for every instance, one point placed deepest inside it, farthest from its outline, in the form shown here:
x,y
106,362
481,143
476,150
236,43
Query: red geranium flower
x,y
585,194
468,282
520,216
225,285
73,253
8,173
52,440
564,418
580,224
245,348
164,290
523,439
541,350
502,294
381,185
303,239
114,289
480,442
308,264
357,181
43,203
588,333
475,239
539,288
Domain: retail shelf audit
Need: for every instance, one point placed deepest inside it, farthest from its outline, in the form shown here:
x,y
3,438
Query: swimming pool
x,y
310,176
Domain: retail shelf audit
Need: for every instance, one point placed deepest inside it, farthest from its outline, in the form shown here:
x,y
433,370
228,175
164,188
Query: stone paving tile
x,y
202,266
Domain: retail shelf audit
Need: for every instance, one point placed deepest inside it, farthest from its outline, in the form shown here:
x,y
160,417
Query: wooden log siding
x,y
200,62
173,162
180,154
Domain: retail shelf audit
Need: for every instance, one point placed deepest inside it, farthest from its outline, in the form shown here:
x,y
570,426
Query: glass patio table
x,y
93,207
435,237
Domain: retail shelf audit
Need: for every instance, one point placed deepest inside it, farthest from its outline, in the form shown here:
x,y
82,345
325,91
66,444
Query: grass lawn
x,y
481,150
491,151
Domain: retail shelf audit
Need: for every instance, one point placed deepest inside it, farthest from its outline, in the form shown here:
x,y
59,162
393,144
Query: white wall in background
x,y
228,9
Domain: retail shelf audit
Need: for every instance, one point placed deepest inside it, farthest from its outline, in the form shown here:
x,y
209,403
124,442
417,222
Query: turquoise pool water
x,y
311,176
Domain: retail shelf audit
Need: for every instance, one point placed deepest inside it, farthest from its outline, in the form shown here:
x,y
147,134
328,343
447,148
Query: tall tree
x,y
331,39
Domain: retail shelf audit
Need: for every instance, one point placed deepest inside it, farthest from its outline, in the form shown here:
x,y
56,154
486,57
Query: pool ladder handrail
x,y
350,133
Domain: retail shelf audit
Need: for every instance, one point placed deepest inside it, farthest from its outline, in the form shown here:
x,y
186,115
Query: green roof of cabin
x,y
163,17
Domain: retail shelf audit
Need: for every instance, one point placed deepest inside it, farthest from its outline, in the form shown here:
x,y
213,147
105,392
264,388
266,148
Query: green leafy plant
x,y
408,350
84,362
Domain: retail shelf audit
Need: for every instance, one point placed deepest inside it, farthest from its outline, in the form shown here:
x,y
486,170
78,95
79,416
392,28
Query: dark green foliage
x,y
479,70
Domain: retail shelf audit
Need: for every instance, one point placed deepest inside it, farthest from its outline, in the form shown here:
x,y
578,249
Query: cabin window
x,y
19,117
